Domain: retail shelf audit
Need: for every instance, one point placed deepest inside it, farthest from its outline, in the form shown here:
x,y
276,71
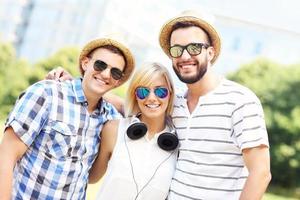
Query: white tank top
x,y
147,159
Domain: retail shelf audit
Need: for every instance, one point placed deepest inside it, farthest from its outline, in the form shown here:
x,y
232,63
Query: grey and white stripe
x,y
210,163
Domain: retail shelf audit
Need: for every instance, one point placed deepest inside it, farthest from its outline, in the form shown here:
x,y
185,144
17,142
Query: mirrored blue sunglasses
x,y
143,92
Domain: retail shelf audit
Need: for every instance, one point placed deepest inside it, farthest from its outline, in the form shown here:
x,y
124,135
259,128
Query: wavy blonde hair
x,y
144,77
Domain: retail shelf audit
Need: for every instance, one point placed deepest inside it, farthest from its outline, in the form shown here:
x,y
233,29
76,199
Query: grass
x,y
287,193
269,196
92,191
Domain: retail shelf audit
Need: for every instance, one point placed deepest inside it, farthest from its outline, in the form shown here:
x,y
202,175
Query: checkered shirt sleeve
x,y
29,114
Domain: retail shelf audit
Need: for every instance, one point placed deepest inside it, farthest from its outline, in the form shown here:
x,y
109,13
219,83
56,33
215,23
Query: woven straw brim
x,y
130,64
165,33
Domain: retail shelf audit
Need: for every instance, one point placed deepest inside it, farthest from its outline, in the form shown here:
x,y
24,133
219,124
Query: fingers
x,y
51,75
65,76
58,74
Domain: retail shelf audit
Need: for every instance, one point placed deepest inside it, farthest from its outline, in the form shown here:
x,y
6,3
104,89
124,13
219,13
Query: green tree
x,y
65,57
277,88
121,91
14,75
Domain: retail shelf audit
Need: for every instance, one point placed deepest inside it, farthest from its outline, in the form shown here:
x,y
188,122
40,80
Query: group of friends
x,y
207,142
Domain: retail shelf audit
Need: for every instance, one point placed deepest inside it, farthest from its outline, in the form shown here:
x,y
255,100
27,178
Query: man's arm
x,y
108,140
11,150
257,161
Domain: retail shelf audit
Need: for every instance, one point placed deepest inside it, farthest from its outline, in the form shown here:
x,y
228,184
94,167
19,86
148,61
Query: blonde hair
x,y
143,77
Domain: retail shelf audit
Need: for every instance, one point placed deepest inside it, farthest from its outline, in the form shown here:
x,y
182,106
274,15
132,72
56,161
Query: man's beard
x,y
201,70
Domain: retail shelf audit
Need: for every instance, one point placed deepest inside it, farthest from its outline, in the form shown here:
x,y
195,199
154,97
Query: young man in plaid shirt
x,y
52,135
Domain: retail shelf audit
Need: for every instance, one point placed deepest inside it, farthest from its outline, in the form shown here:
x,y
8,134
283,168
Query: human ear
x,y
210,54
84,63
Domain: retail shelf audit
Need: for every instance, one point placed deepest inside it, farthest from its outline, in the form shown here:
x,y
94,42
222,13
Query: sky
x,y
282,14
278,14
131,16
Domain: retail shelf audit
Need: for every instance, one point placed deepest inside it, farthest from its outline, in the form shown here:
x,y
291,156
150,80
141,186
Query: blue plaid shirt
x,y
52,119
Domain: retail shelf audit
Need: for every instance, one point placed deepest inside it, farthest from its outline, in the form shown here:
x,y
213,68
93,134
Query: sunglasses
x,y
143,92
100,65
192,48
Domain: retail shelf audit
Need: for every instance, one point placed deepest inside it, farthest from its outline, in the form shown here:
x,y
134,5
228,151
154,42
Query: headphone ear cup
x,y
167,141
136,130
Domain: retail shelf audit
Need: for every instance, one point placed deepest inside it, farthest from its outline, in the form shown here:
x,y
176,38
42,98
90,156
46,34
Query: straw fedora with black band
x,y
200,20
98,43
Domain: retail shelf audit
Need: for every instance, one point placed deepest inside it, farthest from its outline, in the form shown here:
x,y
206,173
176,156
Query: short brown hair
x,y
187,24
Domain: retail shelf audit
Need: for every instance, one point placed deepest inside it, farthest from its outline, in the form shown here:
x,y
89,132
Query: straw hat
x,y
97,43
199,19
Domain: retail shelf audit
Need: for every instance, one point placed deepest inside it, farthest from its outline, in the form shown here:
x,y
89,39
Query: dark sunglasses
x,y
100,65
192,48
143,92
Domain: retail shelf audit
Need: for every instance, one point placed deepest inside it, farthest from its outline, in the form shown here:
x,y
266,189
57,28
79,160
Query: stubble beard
x,y
201,71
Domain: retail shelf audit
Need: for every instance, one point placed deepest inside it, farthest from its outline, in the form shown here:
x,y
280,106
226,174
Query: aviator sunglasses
x,y
192,48
100,65
143,92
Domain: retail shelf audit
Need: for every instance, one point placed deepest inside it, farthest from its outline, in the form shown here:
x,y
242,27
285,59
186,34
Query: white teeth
x,y
152,105
99,80
187,66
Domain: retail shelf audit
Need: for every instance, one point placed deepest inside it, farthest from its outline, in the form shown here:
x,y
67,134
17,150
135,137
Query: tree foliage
x,y
277,88
16,74
65,57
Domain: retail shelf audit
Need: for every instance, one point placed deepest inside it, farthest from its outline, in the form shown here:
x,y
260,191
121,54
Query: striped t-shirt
x,y
210,163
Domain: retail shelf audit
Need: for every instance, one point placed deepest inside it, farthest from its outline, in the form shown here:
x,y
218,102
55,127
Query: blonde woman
x,y
138,153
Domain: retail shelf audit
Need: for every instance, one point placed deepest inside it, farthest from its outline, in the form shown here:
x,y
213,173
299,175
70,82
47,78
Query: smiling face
x,y
99,82
155,105
189,68
155,78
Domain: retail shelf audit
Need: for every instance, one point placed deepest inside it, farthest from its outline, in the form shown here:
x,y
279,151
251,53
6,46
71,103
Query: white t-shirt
x,y
147,159
210,163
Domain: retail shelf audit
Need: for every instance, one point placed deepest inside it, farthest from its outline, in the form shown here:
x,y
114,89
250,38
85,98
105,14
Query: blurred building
x,y
38,28
11,18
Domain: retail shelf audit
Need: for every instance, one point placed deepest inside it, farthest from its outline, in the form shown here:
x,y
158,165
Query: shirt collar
x,y
80,97
78,90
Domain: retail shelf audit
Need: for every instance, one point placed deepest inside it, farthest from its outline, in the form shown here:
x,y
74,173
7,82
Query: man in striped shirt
x,y
52,135
224,149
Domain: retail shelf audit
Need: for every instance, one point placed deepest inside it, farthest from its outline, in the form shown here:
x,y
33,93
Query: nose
x,y
151,95
185,55
106,73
